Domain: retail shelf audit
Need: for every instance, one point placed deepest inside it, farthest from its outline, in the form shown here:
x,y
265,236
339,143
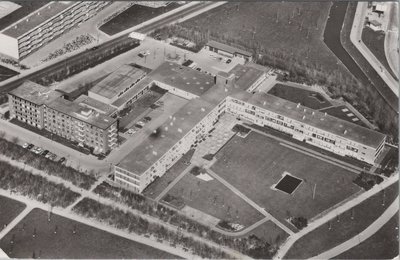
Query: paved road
x,y
355,37
392,38
365,234
76,59
334,213
250,202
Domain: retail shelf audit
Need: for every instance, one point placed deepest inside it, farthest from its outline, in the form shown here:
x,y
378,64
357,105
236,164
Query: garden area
x,y
35,186
134,15
36,237
256,163
9,210
307,98
344,226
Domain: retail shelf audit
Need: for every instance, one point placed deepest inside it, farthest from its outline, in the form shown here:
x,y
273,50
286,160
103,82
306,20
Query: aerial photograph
x,y
199,129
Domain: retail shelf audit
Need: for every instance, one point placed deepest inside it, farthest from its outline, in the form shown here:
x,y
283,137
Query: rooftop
x,y
35,93
92,103
228,48
37,17
26,7
182,77
169,133
245,76
118,81
82,113
317,119
132,92
375,23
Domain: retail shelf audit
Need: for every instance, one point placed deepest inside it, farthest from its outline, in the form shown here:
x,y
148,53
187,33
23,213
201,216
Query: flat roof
x,y
182,77
118,81
132,92
75,110
171,131
317,119
35,93
228,48
245,76
375,23
37,17
26,7
95,104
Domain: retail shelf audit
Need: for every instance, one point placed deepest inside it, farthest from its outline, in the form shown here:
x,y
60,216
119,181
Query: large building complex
x,y
84,121
38,28
234,93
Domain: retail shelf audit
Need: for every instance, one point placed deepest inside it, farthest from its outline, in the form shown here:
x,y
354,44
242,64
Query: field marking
x,y
319,157
250,202
15,221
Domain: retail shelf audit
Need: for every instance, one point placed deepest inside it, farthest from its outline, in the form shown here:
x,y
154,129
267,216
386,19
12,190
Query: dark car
x,y
62,159
147,118
45,152
140,55
30,146
198,69
228,61
138,126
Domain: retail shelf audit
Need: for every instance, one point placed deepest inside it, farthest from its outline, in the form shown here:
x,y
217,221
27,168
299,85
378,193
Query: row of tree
x,y
35,186
135,224
173,217
16,152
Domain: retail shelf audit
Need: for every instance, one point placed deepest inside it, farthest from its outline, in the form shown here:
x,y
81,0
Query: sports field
x,y
213,198
308,98
255,163
56,239
9,209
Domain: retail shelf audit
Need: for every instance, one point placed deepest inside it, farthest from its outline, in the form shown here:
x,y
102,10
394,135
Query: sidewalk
x,y
332,214
392,38
355,37
365,234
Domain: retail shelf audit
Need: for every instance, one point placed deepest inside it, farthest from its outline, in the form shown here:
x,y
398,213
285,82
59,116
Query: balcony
x,y
112,140
112,134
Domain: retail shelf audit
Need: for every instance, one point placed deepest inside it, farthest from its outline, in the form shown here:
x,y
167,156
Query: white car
x,y
25,145
131,131
39,150
141,123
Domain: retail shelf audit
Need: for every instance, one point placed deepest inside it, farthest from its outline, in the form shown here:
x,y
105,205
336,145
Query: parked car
x,y
53,157
62,159
198,69
146,119
138,126
228,61
30,146
38,150
25,145
141,123
48,155
131,131
45,152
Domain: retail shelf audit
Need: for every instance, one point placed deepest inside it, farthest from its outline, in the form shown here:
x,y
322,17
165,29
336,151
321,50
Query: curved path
x,y
332,214
392,37
392,210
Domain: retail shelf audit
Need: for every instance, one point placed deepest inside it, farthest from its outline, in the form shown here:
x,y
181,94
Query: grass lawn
x,y
9,209
87,242
308,98
255,163
322,239
293,29
213,198
270,233
375,41
6,73
157,186
339,113
384,244
133,16
139,107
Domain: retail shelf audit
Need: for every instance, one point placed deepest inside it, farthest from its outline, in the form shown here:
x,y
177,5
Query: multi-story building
x,y
44,24
84,121
235,93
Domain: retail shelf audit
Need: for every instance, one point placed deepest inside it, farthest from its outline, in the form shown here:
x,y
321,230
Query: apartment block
x,y
44,24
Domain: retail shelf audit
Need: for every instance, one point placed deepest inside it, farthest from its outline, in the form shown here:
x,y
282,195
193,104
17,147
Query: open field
x,y
134,15
375,41
6,73
159,184
322,239
87,242
213,198
9,209
344,113
254,164
384,244
308,98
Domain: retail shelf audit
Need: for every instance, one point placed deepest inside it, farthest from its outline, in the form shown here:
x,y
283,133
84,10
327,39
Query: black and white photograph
x,y
199,129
